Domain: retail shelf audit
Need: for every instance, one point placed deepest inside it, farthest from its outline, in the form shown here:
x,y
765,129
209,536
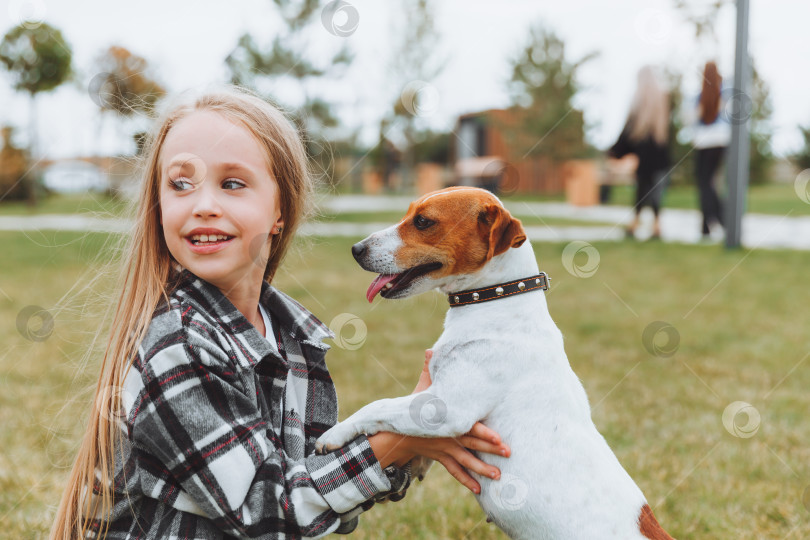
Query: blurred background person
x,y
646,134
711,136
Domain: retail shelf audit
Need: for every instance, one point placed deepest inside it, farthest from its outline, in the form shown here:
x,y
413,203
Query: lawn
x,y
779,199
100,204
737,333
775,198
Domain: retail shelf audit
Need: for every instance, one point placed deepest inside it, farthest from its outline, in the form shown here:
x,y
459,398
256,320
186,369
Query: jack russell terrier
x,y
500,360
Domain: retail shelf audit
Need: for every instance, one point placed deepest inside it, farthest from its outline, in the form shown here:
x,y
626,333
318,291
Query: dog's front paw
x,y
336,437
420,466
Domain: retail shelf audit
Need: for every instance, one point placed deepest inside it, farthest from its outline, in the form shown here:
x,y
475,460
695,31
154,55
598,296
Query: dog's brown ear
x,y
505,231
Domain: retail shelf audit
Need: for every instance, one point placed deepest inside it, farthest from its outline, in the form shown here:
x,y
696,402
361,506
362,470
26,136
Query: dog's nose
x,y
358,249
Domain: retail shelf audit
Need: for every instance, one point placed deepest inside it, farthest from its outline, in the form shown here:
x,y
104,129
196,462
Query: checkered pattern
x,y
221,427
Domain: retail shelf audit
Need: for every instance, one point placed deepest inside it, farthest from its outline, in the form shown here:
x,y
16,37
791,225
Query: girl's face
x,y
219,204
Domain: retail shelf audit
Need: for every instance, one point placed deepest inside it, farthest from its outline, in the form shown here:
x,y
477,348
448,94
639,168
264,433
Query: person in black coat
x,y
646,134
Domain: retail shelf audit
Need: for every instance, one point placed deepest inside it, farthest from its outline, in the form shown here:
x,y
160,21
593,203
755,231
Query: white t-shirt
x,y
268,328
718,133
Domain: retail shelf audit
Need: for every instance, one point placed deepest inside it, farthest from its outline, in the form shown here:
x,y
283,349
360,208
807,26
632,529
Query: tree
x,y
802,158
38,59
756,101
414,63
543,86
680,152
761,131
13,164
124,86
287,60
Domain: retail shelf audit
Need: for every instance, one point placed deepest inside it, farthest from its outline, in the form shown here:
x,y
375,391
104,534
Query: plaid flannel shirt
x,y
220,428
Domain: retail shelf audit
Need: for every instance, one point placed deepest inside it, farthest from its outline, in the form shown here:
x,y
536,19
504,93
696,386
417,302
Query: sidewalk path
x,y
677,225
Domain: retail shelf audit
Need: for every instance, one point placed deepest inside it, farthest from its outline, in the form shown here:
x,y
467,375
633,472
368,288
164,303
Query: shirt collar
x,y
292,317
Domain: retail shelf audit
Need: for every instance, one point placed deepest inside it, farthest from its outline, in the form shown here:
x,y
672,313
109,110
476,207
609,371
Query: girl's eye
x,y
232,184
422,223
180,184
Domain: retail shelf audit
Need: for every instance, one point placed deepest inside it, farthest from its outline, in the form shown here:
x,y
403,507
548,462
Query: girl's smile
x,y
207,240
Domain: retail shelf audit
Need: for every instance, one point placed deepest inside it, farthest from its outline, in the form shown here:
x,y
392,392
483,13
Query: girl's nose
x,y
206,203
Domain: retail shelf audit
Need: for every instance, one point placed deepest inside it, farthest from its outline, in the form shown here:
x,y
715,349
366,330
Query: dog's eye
x,y
422,223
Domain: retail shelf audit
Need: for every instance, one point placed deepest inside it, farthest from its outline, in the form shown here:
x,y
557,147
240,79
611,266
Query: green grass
x,y
740,316
81,203
779,199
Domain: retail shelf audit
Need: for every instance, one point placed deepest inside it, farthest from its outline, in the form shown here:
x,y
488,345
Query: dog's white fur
x,y
503,362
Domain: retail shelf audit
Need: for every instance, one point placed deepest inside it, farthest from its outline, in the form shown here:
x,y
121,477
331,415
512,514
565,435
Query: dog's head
x,y
446,233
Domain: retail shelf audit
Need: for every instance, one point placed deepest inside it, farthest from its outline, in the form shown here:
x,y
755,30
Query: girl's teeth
x,y
208,238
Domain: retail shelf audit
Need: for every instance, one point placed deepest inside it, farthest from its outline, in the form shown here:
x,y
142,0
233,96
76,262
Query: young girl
x,y
213,387
711,136
646,134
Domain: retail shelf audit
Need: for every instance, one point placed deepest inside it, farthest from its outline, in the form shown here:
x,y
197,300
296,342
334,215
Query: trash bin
x,y
581,185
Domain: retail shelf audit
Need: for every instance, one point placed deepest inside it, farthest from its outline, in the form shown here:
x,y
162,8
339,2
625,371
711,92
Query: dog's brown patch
x,y
649,526
471,228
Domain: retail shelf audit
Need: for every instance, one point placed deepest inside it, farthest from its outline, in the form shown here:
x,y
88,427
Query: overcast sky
x,y
187,42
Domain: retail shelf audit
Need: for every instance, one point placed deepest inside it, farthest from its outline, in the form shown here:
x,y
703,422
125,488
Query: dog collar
x,y
502,290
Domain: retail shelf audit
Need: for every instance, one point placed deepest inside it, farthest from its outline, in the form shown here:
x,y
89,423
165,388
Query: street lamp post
x,y
739,111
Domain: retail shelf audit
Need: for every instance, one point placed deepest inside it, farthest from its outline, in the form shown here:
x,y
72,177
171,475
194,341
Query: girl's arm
x,y
194,424
622,146
453,454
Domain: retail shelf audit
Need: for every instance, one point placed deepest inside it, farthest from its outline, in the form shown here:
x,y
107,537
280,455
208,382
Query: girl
x,y
213,386
646,134
712,134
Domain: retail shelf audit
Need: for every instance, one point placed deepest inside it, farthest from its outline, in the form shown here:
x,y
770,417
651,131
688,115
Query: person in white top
x,y
711,136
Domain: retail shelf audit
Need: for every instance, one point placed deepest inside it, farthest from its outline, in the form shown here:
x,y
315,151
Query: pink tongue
x,y
377,285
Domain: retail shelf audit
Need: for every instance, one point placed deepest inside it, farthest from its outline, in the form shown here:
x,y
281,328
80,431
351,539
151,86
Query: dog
x,y
500,360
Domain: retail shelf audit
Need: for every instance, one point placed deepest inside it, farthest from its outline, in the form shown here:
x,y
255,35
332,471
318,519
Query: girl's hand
x,y
453,454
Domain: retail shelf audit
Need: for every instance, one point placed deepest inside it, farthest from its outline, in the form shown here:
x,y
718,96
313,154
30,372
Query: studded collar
x,y
501,290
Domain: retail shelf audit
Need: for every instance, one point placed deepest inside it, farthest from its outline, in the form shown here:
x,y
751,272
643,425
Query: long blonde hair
x,y
649,112
144,276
